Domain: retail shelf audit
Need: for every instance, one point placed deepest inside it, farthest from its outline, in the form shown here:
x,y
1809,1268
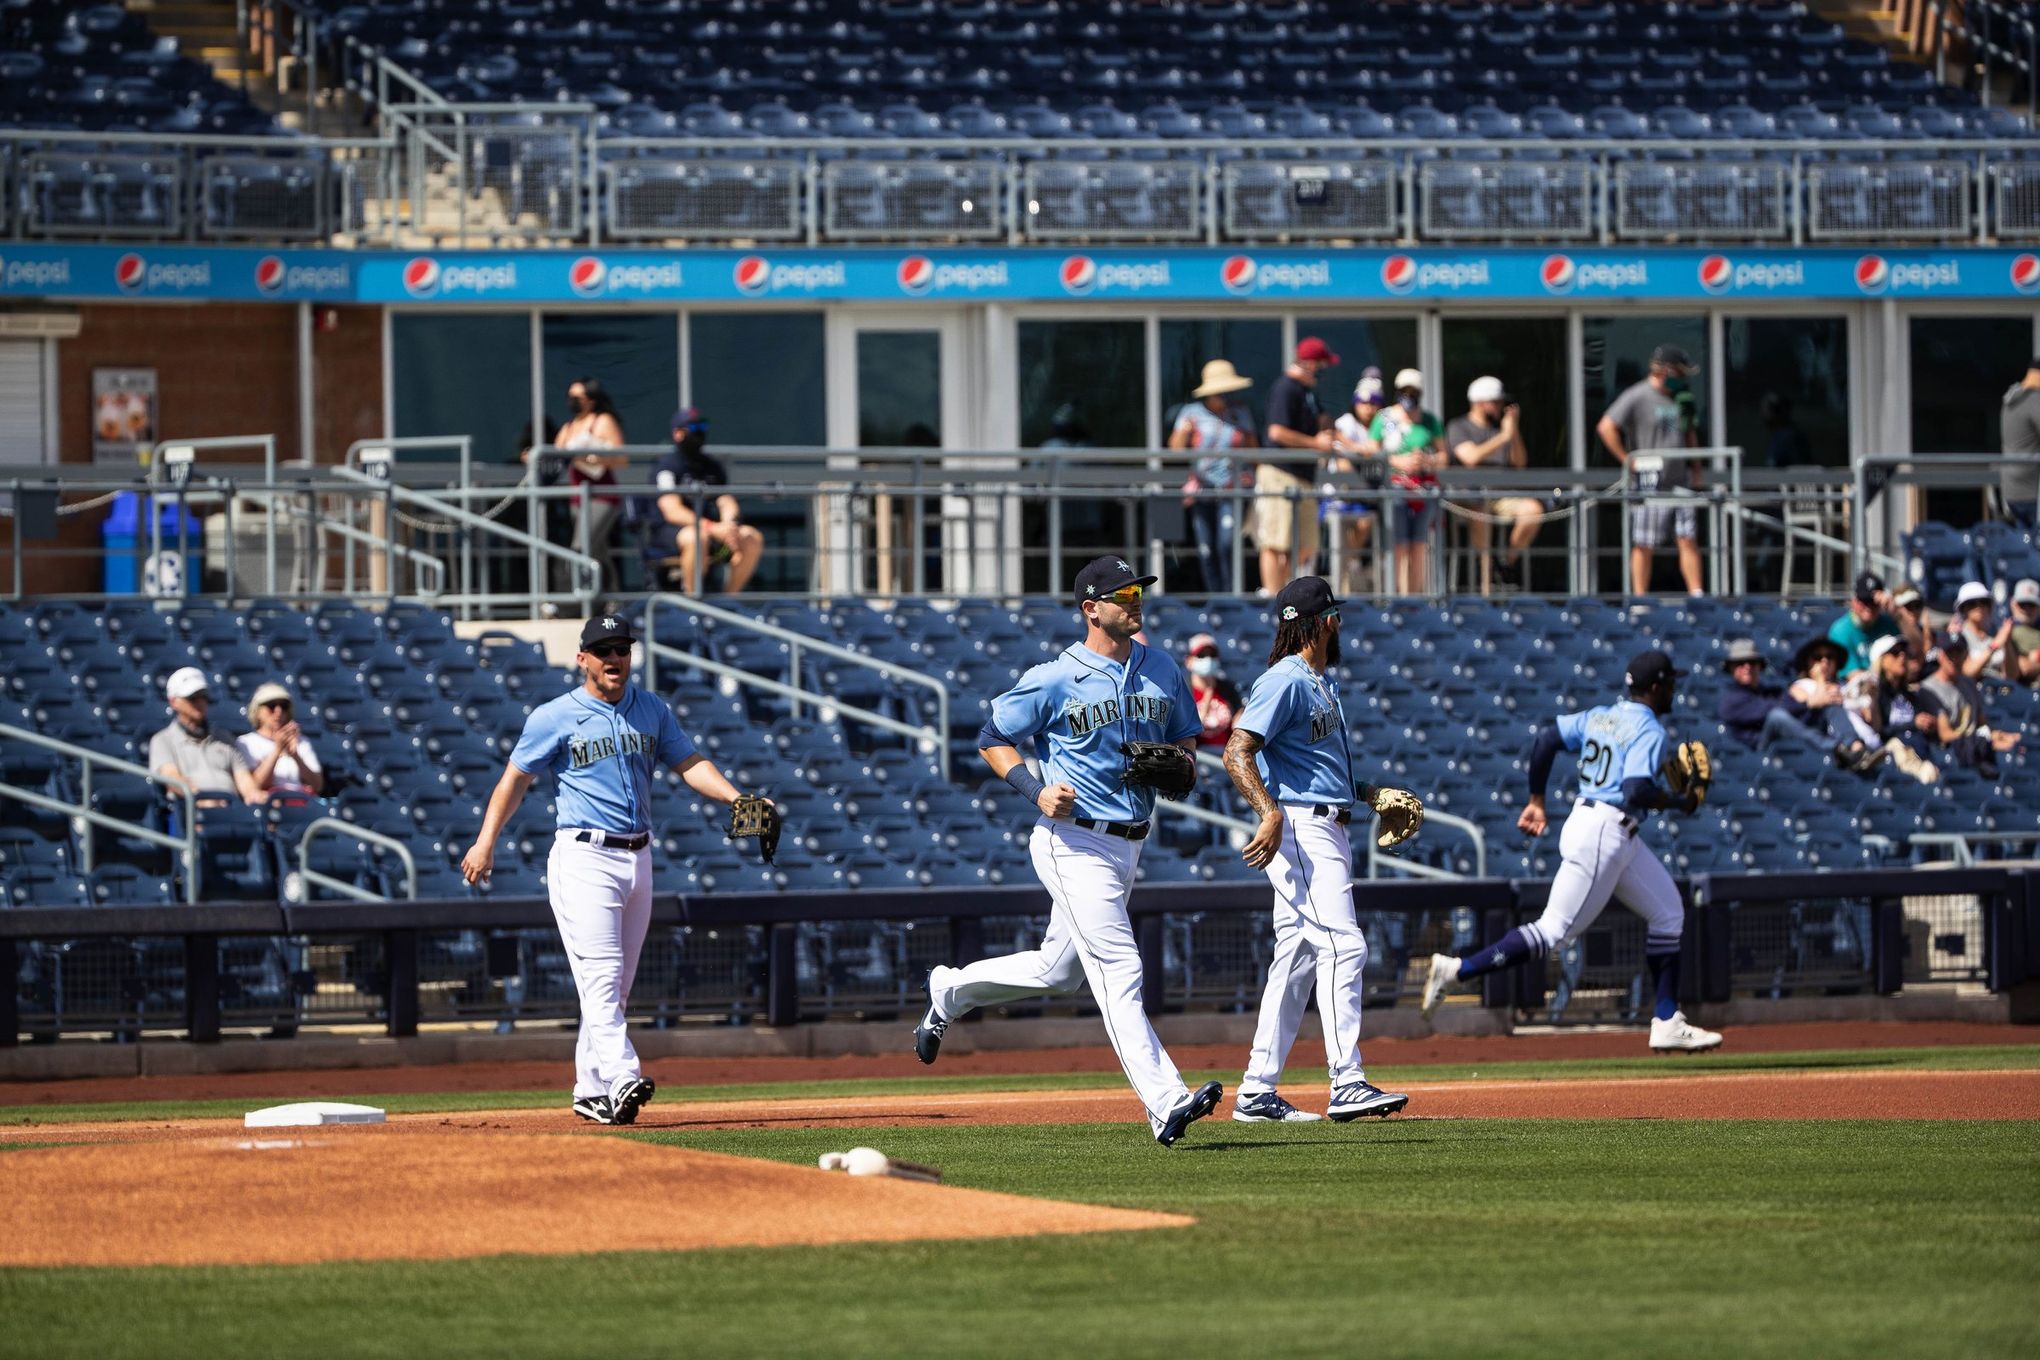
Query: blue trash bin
x,y
125,540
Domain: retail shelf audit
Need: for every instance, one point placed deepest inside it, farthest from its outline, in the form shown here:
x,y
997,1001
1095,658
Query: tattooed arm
x,y
1240,750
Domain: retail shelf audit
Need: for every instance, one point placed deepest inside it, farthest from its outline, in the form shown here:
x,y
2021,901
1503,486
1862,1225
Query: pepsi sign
x,y
1081,275
919,276
1243,274
756,276
593,276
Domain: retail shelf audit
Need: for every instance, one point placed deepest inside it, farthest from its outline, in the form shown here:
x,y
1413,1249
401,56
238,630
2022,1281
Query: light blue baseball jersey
x,y
1078,709
1615,743
601,755
1296,713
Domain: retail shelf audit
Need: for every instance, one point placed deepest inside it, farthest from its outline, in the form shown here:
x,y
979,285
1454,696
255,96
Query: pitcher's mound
x,y
270,1199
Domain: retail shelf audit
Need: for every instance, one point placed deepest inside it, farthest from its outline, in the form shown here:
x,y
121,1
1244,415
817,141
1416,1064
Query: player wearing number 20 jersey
x,y
1620,749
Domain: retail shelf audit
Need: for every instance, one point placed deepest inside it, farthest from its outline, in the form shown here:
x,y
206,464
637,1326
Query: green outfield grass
x,y
1453,1238
1302,1078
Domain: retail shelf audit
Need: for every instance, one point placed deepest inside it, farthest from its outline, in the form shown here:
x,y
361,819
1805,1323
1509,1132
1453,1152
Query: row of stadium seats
x,y
1941,559
100,68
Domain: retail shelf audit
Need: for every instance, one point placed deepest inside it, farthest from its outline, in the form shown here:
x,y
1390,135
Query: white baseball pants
x,y
1318,941
1602,858
602,900
1088,875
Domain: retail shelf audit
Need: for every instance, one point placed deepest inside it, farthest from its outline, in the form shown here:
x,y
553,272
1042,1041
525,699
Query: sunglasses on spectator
x,y
609,649
283,704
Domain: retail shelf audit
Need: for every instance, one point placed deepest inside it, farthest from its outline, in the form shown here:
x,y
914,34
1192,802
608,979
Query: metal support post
x,y
10,998
782,976
1887,945
400,955
202,988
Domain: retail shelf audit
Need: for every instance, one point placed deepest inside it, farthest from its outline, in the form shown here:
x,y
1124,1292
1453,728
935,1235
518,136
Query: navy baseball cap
x,y
1867,586
690,418
1306,597
1107,574
606,628
1647,668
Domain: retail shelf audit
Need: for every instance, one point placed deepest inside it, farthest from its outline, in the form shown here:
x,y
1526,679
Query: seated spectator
x,y
1988,646
1488,436
1352,433
1818,666
1759,715
193,756
683,477
2023,661
1951,711
1214,425
284,763
1218,699
1909,608
1413,440
1867,619
1895,709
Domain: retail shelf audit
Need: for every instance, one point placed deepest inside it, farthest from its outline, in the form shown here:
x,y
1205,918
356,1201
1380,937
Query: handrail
x,y
181,471
1472,832
1859,510
422,561
1961,841
360,833
82,810
796,642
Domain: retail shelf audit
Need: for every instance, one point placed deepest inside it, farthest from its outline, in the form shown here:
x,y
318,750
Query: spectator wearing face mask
x,y
1661,412
1413,440
2024,658
1218,699
1353,434
701,513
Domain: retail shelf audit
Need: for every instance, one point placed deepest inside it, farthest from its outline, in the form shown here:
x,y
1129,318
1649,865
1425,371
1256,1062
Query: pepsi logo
x,y
421,276
1872,273
587,276
269,274
129,271
2026,273
1398,273
916,274
1237,274
1557,273
1716,273
1079,272
753,274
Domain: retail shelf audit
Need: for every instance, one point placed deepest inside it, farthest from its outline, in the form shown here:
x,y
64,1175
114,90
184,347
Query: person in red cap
x,y
1286,525
1218,699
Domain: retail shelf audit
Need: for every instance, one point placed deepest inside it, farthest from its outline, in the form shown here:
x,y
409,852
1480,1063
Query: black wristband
x,y
1025,782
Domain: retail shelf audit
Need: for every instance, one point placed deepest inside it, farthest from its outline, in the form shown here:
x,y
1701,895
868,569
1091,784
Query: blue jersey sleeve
x,y
1270,705
1570,727
1644,755
1183,720
1029,707
674,743
543,743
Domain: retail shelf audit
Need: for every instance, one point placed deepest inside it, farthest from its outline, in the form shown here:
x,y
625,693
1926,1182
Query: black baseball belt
x,y
612,841
1341,815
1127,831
1629,823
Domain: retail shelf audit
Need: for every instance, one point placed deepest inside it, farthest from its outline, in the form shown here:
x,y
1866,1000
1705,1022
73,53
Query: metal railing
x,y
87,819
1378,859
312,877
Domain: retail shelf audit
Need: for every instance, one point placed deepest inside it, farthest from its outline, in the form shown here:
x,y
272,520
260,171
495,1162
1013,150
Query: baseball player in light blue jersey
x,y
1074,714
1289,757
1621,751
600,742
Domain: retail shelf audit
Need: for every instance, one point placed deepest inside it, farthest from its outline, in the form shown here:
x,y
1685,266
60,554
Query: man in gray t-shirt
x,y
2019,426
1656,414
189,752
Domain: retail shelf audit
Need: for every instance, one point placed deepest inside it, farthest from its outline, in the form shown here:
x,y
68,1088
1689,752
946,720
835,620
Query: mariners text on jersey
x,y
586,753
1139,707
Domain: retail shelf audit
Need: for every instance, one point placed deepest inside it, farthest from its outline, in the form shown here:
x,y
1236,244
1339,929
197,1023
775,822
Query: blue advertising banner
x,y
223,274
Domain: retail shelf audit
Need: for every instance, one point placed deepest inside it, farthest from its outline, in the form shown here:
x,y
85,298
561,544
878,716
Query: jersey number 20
x,y
1595,762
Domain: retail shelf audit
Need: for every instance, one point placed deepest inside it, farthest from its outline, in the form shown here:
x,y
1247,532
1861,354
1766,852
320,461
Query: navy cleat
x,y
594,1109
1267,1107
631,1097
1364,1098
1201,1103
928,1035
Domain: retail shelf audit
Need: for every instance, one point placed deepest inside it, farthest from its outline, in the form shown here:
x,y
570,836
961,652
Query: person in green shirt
x,y
2023,662
1413,441
1867,619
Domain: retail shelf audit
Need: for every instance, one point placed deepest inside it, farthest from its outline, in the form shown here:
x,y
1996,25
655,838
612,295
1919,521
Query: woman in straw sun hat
x,y
285,765
1211,421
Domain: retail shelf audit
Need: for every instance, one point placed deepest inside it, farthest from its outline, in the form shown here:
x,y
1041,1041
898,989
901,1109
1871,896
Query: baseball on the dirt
x,y
864,1161
831,1161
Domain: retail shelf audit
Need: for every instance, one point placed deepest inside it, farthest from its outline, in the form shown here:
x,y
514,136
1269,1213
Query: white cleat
x,y
1680,1035
1444,972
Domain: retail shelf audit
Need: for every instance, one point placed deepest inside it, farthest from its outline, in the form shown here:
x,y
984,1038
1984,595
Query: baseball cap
x,y
1867,586
1203,642
1370,388
690,418
1304,598
1671,356
1310,347
1647,668
1103,575
2026,592
1971,592
185,682
1484,389
1890,642
1949,644
606,628
1409,377
265,693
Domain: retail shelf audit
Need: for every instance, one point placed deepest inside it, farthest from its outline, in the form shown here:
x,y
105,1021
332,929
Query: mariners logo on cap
x,y
609,622
1120,563
1288,612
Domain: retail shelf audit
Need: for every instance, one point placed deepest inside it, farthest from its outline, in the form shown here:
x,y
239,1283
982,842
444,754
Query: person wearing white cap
x,y
1413,440
1489,435
1897,712
1987,646
2023,662
189,754
285,764
1214,424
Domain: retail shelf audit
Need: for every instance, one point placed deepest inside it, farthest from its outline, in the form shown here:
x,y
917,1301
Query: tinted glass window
x,y
1253,346
1617,355
1961,367
634,355
1528,355
759,376
1093,373
899,389
470,375
1361,343
1787,389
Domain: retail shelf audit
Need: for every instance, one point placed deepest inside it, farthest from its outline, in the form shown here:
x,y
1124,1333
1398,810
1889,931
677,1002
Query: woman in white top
x,y
594,427
285,764
1214,425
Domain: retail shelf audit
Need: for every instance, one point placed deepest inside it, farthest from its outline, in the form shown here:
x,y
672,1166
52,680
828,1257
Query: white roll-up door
x,y
25,417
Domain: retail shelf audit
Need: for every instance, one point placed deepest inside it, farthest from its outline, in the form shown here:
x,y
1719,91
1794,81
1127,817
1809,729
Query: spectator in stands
x,y
1218,699
1413,441
1353,434
1951,711
700,518
2019,429
1909,610
1661,412
285,766
1988,646
2023,660
1867,619
193,756
592,428
1489,435
1818,666
1896,709
1214,425
1286,527
1760,715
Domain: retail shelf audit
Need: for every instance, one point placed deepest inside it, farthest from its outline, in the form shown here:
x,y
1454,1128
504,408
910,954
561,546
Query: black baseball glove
x,y
751,815
1163,766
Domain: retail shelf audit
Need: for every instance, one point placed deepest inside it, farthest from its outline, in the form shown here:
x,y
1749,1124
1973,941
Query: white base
x,y
312,1112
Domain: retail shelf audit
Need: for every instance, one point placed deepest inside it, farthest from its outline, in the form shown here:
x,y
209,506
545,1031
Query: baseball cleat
x,y
1201,1103
928,1034
630,1097
594,1109
1444,972
1267,1107
1364,1098
1680,1035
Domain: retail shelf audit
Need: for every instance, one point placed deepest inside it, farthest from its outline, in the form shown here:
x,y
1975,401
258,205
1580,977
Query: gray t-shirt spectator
x,y
207,763
1959,700
1647,418
2019,424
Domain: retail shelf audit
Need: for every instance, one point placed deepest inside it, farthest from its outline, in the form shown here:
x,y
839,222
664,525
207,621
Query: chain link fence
x,y
1319,200
923,202
1701,201
658,198
1913,201
1112,200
